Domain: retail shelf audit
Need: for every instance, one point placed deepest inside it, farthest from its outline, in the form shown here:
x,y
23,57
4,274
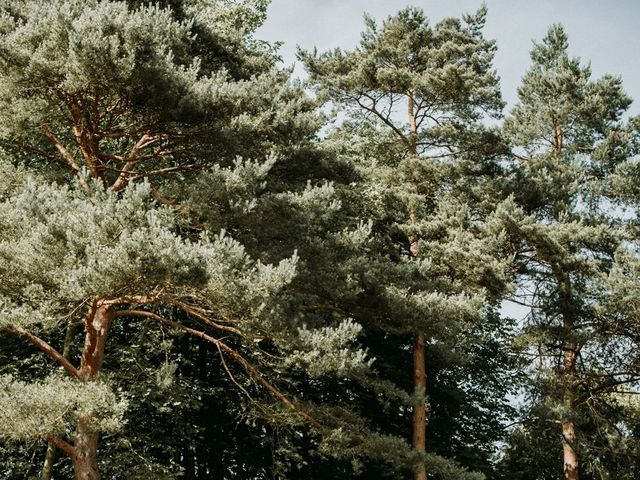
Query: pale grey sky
x,y
604,32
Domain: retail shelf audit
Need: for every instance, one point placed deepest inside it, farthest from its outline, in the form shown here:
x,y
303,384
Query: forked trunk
x,y
419,408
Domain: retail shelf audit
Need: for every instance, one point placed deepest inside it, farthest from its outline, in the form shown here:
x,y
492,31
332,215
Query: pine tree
x,y
158,126
568,140
415,95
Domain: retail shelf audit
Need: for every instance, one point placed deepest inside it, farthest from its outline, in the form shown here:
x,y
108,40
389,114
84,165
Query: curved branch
x,y
385,119
46,348
68,158
203,318
239,359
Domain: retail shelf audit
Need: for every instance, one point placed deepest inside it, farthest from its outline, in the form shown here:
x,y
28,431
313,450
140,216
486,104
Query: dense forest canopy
x,y
211,270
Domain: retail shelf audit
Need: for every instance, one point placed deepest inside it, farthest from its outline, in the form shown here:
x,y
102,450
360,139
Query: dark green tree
x,y
415,95
568,141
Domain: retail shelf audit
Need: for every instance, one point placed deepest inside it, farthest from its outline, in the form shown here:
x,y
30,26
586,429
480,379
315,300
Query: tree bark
x,y
419,422
85,460
570,456
49,460
571,471
570,349
419,408
97,325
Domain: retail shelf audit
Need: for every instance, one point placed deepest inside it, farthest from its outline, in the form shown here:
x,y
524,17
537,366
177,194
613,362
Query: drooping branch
x,y
206,320
46,348
239,359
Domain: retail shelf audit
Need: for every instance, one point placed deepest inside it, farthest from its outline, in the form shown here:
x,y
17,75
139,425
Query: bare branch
x,y
68,158
46,348
377,113
178,168
62,445
203,318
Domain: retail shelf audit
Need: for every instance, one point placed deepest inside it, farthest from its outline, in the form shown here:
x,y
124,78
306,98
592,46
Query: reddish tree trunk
x,y
571,471
97,325
419,424
571,350
570,456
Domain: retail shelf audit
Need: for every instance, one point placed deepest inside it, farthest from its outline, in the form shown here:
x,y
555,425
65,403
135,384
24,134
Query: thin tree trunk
x,y
570,349
419,422
52,452
49,460
571,471
419,408
570,457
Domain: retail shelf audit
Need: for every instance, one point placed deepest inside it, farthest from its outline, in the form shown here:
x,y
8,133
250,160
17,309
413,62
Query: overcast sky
x,y
604,32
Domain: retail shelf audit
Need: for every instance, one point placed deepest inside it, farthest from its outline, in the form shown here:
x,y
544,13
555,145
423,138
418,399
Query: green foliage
x,y
570,144
263,284
37,410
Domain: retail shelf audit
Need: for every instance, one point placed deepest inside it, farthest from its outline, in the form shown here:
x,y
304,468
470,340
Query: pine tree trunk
x,y
570,457
419,408
97,325
571,471
570,349
419,423
85,461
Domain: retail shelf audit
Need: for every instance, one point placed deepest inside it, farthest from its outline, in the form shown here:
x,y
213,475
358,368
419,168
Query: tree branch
x,y
62,445
203,318
67,157
46,348
178,168
378,114
239,359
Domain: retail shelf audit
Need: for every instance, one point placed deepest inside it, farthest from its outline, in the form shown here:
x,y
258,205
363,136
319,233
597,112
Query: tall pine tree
x,y
568,140
415,95
100,96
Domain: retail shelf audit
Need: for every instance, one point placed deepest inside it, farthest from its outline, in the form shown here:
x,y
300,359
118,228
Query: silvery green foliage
x,y
447,65
60,248
52,407
569,131
329,350
99,76
414,94
569,128
587,109
411,183
82,45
